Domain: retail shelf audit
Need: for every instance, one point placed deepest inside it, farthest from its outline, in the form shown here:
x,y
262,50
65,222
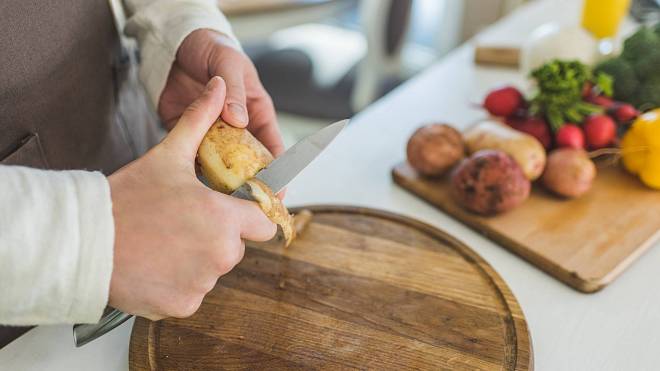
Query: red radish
x,y
570,135
625,112
535,127
503,101
600,100
599,131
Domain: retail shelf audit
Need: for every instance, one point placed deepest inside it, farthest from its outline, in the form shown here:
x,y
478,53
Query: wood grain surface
x,y
359,289
585,243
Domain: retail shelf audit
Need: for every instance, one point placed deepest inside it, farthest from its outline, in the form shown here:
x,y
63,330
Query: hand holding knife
x,y
276,176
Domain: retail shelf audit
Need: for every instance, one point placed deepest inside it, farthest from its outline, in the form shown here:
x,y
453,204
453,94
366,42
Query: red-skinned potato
x,y
569,172
489,182
434,149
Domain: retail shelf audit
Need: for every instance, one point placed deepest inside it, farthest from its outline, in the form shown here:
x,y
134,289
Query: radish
x,y
600,100
535,127
503,101
599,131
625,112
570,135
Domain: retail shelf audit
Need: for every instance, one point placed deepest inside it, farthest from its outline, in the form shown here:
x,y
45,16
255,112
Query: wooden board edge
x,y
587,285
627,262
522,333
523,339
139,354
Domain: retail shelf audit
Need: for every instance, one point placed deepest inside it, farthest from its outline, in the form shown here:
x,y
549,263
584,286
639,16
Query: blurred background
x,y
323,60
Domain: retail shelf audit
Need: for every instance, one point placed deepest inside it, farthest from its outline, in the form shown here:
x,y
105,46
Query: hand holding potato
x,y
174,236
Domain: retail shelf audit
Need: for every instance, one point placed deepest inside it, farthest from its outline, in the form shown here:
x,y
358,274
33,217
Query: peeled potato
x,y
230,157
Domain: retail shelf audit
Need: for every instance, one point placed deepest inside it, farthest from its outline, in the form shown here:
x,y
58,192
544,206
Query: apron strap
x,y
128,47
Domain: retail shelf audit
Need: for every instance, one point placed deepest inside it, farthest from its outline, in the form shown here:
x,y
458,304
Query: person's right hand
x,y
174,236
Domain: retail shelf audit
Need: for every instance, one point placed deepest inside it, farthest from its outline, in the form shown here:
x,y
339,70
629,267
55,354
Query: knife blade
x,y
286,167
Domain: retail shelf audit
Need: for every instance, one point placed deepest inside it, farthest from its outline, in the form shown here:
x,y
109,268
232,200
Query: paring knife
x,y
276,176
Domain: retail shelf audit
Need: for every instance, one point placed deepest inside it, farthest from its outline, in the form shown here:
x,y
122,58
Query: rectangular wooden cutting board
x,y
585,243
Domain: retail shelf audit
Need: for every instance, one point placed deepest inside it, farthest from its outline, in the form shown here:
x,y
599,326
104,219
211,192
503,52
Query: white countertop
x,y
615,329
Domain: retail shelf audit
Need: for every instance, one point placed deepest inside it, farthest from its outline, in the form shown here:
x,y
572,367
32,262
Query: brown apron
x,y
68,94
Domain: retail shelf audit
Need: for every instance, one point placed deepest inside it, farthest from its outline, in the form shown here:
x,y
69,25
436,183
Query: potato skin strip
x,y
274,209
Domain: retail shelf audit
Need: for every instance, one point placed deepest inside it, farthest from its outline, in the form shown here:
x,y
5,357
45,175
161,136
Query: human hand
x,y
174,236
206,53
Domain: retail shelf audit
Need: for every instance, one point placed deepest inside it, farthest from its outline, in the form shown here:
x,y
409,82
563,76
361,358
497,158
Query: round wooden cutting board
x,y
359,289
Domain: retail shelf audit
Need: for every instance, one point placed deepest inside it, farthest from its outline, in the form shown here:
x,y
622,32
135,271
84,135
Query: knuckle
x,y
208,285
204,283
228,258
185,306
222,264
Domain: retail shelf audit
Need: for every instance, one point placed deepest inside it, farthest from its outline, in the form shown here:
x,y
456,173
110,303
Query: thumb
x,y
198,118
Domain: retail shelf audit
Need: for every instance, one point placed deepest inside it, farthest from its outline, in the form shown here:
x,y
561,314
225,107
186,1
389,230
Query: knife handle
x,y
84,333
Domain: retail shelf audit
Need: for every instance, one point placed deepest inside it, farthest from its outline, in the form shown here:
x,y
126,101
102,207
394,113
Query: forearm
x,y
160,27
56,246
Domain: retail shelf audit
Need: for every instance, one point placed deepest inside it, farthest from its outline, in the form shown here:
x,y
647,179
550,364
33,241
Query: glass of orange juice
x,y
602,18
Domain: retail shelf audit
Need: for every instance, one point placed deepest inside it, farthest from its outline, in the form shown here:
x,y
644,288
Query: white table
x,y
616,329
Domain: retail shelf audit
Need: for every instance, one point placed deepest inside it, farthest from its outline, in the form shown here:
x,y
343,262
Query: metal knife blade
x,y
286,167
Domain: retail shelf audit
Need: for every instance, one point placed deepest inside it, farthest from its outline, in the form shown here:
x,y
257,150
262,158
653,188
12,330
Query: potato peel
x,y
273,207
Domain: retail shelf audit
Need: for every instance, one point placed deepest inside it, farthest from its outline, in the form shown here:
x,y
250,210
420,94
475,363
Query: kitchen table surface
x,y
615,329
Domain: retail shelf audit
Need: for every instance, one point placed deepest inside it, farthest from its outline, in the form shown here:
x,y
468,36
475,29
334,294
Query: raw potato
x,y
230,157
434,149
569,173
489,182
525,149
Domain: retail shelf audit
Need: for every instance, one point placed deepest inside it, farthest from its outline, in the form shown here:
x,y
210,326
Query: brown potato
x,y
434,149
230,157
489,182
524,148
569,173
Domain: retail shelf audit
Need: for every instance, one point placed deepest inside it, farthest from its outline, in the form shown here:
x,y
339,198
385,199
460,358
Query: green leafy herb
x,y
559,96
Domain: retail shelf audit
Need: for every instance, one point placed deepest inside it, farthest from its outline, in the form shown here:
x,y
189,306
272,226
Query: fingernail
x,y
239,112
213,83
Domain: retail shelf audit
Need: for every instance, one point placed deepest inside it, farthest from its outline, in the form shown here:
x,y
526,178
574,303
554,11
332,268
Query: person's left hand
x,y
204,54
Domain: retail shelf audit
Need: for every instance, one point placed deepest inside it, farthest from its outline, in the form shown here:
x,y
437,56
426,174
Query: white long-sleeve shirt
x,y
56,227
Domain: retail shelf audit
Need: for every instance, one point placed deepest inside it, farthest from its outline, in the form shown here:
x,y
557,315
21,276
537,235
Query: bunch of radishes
x,y
594,132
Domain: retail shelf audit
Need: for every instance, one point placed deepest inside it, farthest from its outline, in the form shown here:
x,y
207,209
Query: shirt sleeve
x,y
56,246
160,27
